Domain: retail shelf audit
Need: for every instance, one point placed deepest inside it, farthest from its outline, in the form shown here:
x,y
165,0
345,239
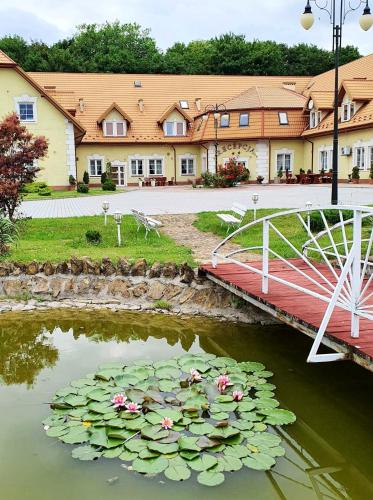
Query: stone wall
x,y
123,285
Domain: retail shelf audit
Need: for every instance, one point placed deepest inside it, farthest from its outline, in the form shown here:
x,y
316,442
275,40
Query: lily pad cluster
x,y
192,413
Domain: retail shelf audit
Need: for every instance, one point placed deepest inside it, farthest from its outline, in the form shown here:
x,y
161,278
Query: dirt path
x,y
180,228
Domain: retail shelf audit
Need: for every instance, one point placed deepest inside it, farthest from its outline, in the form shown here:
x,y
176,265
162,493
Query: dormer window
x,y
114,128
348,111
174,128
315,118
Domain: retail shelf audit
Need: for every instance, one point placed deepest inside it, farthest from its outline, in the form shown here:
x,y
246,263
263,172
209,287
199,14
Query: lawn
x,y
70,194
56,240
289,226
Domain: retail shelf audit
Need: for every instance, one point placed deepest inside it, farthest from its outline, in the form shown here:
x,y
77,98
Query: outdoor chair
x,y
148,223
233,221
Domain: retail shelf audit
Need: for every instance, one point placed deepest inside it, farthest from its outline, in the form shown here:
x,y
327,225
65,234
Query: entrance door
x,y
119,173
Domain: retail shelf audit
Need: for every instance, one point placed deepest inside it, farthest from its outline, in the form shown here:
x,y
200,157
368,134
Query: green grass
x,y
56,240
70,194
288,225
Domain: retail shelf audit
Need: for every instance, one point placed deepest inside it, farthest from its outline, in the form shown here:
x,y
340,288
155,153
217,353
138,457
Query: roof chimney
x,y
289,86
140,103
81,104
198,103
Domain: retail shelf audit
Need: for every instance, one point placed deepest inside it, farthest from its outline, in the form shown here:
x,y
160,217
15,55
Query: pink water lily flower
x,y
222,382
167,423
119,400
133,408
237,395
195,376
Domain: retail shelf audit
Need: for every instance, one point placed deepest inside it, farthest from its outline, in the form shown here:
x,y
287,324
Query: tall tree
x,y
18,151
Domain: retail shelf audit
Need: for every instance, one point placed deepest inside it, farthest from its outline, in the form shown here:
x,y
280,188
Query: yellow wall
x,y
121,153
50,122
295,146
346,163
241,150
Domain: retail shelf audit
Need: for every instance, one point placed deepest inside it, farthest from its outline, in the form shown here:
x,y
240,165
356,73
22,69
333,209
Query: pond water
x,y
329,450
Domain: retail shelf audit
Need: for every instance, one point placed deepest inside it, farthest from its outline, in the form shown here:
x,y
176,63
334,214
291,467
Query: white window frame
x,y
370,157
187,159
283,153
315,118
174,132
283,118
360,157
349,108
115,130
136,160
26,99
248,120
96,158
328,151
156,159
227,123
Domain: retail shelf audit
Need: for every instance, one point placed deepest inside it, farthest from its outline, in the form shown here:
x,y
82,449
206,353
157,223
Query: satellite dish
x,y
310,104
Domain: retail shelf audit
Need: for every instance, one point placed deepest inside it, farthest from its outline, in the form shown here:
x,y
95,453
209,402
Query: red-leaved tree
x,y
18,150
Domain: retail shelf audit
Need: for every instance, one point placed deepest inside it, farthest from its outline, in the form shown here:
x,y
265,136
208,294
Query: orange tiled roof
x,y
157,92
358,89
113,106
169,110
6,60
322,99
266,97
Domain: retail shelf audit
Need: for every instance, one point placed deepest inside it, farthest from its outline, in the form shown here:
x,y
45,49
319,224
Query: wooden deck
x,y
301,311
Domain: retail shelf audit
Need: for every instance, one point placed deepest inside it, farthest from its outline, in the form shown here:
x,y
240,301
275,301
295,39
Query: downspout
x,y
173,147
207,158
269,160
312,146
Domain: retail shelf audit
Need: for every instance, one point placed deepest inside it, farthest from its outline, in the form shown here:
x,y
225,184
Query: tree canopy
x,y
129,48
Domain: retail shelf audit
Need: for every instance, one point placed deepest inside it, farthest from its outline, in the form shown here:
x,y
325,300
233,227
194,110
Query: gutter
x,y
207,157
173,147
312,148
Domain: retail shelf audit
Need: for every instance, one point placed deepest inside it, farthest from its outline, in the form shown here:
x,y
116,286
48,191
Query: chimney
x,y
198,103
81,104
140,103
289,86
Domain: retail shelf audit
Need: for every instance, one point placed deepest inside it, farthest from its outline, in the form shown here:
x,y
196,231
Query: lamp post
x,y
118,220
337,16
216,109
255,198
309,206
105,208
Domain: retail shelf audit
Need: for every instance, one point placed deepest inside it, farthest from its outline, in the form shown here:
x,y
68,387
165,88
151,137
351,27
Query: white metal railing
x,y
345,278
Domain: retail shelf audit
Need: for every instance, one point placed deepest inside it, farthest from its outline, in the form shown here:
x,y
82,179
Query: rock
x,y
76,266
170,270
123,267
172,291
90,267
48,268
99,286
82,286
32,268
156,290
156,270
140,290
12,288
41,286
186,273
187,294
56,287
107,267
119,288
63,268
139,268
18,268
6,268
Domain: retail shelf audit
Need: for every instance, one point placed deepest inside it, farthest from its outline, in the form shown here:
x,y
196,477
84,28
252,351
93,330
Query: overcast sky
x,y
178,20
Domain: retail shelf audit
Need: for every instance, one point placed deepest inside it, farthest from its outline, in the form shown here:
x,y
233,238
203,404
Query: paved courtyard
x,y
185,199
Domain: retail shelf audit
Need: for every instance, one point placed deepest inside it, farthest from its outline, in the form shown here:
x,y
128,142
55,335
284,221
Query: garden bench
x,y
234,220
148,223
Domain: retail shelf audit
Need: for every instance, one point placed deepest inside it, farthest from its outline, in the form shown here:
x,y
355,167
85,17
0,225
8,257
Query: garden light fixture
x,y
216,109
105,208
309,206
118,220
255,198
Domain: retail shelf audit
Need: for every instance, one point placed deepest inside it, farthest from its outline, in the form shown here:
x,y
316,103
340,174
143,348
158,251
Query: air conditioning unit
x,y
346,151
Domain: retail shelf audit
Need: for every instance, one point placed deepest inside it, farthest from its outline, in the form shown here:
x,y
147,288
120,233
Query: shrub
x,y
104,177
8,234
82,188
280,173
72,180
371,171
332,217
162,304
355,173
33,187
232,172
93,237
44,192
109,185
85,178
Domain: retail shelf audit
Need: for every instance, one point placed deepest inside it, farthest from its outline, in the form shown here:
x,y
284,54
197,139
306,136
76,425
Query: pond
x,y
329,450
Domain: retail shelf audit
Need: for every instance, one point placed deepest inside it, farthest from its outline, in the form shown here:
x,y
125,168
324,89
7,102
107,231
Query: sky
x,y
179,20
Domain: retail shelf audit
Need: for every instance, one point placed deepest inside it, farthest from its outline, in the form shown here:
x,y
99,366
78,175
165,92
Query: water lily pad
x,y
99,395
85,453
277,416
128,456
189,455
177,470
201,429
202,463
228,463
188,443
163,448
238,451
150,466
76,435
154,432
113,453
259,461
210,478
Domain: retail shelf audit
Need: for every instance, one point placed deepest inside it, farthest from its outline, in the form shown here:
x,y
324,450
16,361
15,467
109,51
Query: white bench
x,y
148,223
234,220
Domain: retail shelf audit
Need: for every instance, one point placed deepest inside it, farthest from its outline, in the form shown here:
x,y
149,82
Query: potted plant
x,y
371,174
355,176
302,171
260,179
280,173
153,182
140,182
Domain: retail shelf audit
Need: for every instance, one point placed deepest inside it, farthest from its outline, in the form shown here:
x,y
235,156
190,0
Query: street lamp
x,y
309,206
337,19
118,220
105,208
255,198
216,109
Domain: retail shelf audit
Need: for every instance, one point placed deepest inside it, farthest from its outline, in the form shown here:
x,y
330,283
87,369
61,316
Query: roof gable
x,y
174,107
6,61
358,89
111,108
266,97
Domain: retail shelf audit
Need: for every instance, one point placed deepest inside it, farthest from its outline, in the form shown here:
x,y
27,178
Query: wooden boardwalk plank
x,y
296,308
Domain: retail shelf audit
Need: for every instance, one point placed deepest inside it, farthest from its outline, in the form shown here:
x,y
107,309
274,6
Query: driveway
x,y
185,199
